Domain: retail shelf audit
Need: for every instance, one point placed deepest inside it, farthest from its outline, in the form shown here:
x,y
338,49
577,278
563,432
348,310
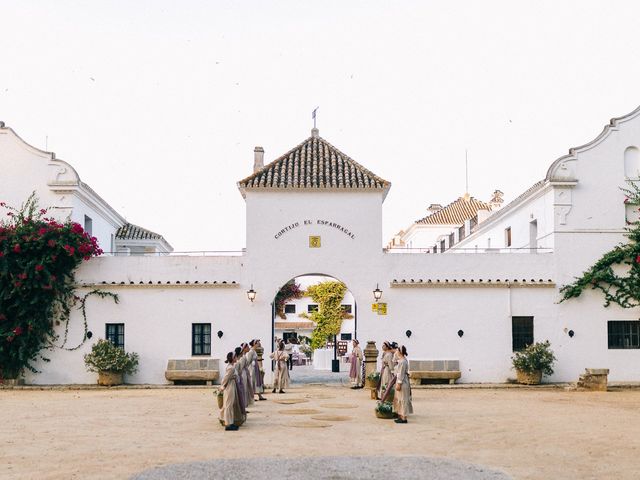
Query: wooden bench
x,y
434,370
193,370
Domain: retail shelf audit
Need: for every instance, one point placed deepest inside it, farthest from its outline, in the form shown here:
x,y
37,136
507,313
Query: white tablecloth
x,y
322,358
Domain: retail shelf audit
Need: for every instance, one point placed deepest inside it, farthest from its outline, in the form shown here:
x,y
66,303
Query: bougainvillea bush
x,y
289,290
38,257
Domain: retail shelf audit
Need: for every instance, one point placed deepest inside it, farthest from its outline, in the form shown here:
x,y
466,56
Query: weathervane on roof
x,y
313,115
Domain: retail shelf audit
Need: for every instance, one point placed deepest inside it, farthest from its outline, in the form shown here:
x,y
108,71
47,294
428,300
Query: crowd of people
x,y
393,381
244,379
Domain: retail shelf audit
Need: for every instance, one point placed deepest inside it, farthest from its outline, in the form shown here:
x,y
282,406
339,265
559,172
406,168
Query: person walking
x,y
402,400
355,371
281,373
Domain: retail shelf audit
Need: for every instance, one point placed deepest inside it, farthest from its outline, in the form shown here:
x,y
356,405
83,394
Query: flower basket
x,y
384,410
109,379
220,396
372,380
529,378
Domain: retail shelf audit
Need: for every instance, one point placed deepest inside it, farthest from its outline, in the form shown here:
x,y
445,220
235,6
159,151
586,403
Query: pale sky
x,y
158,105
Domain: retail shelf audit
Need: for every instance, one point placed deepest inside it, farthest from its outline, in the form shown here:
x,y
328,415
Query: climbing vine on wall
x,y
617,274
289,291
328,318
38,257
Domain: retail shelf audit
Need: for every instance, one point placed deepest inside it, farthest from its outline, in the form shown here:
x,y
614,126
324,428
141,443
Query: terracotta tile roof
x,y
314,164
129,231
456,213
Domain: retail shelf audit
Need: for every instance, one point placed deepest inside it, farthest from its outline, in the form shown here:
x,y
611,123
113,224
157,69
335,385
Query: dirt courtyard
x,y
527,433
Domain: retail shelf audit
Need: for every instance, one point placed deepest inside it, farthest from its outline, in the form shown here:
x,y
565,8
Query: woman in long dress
x,y
281,373
355,371
388,366
402,401
246,360
256,371
230,411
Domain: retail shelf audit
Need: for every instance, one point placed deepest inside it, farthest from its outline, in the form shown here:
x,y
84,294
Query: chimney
x,y
434,207
258,159
496,200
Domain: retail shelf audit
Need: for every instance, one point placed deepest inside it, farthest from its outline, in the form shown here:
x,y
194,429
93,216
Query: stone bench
x,y
193,370
434,370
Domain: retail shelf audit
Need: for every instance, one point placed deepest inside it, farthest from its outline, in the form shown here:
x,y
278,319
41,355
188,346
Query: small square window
x,y
290,308
507,237
345,336
88,225
346,308
114,332
312,308
201,339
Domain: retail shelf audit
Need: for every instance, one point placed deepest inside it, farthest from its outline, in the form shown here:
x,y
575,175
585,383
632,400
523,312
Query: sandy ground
x,y
529,434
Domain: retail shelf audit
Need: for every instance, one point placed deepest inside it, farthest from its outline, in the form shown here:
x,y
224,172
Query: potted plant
x,y
385,410
533,362
110,362
372,382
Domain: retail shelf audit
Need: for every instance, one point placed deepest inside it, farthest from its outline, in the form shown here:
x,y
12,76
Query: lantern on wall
x,y
251,294
377,293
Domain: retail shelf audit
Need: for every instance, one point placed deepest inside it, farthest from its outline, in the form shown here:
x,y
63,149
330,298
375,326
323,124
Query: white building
x,y
445,226
59,189
315,211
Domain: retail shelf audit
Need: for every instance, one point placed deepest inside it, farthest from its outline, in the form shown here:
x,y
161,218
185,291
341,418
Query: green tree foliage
x,y
328,318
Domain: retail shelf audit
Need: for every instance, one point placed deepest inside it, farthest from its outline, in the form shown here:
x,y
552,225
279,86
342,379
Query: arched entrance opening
x,y
316,316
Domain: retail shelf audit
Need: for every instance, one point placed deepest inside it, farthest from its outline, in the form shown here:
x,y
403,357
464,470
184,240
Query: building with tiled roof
x,y
445,223
312,165
132,239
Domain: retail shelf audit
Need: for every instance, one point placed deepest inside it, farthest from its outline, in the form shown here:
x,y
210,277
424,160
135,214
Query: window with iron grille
x,y
312,308
442,246
521,332
345,336
114,332
623,334
452,239
200,339
290,308
346,308
461,232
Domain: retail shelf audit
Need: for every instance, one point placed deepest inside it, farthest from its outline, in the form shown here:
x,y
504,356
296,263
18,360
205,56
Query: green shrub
x,y
384,407
537,356
106,357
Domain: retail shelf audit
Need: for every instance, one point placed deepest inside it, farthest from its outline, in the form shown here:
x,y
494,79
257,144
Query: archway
x,y
293,320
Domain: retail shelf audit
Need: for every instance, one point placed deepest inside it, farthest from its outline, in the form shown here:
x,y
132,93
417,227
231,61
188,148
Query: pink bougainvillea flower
x,y
47,287
1,254
22,276
43,211
16,248
3,317
77,228
53,278
42,231
18,331
18,284
39,268
10,338
638,259
51,243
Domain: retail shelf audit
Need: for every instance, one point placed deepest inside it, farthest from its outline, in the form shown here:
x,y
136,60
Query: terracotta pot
x,y
529,378
109,379
370,383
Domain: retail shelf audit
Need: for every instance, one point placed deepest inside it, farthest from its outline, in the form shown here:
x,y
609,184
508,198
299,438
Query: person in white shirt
x,y
288,349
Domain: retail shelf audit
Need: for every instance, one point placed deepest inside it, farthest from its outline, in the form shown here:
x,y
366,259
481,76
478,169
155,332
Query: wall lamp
x,y
220,333
408,333
251,294
377,293
460,333
571,333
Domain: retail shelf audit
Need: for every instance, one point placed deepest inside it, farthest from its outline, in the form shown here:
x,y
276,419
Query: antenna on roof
x,y
466,173
313,115
46,143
